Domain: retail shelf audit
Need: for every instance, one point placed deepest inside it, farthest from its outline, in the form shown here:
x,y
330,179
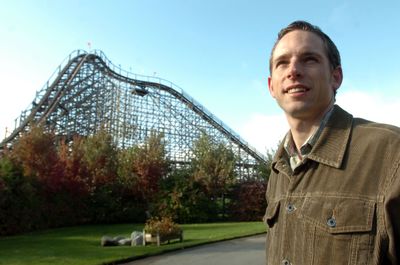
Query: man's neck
x,y
302,129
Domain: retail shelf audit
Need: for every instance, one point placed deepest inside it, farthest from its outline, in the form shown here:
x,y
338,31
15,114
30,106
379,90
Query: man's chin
x,y
296,110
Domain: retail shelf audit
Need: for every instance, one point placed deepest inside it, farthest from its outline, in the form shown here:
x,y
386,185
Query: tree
x,y
100,156
46,162
248,197
150,165
99,162
184,198
76,169
132,207
248,200
19,201
214,167
126,169
36,152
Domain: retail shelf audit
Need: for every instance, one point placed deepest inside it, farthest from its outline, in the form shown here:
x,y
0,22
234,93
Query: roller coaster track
x,y
87,92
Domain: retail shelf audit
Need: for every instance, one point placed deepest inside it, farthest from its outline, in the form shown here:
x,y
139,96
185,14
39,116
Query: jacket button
x,y
290,208
285,262
331,222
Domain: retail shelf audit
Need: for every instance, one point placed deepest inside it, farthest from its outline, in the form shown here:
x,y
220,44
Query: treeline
x,y
46,182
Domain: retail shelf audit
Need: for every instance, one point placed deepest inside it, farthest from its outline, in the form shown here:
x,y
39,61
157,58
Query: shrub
x,y
19,201
248,201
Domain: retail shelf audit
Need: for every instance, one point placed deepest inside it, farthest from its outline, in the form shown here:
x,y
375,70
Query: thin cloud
x,y
371,106
264,131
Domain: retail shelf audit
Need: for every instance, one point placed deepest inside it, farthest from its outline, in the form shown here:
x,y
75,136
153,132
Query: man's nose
x,y
294,70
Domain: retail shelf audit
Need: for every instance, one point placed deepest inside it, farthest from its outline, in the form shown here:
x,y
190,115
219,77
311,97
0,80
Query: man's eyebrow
x,y
310,53
280,57
302,54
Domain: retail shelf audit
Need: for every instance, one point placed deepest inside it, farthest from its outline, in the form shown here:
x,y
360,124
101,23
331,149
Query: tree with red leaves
x,y
150,164
36,152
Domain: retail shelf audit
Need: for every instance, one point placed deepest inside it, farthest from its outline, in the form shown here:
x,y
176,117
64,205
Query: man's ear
x,y
337,78
270,87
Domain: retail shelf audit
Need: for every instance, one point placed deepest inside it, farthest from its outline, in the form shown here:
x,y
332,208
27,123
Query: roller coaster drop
x,y
87,92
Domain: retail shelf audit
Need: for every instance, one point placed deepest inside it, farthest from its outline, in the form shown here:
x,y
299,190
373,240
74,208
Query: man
x,y
334,190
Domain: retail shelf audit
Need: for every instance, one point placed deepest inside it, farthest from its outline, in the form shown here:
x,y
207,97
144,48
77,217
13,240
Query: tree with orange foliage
x,y
150,164
36,152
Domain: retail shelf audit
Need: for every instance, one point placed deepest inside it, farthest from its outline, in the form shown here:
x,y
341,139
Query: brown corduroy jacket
x,y
342,206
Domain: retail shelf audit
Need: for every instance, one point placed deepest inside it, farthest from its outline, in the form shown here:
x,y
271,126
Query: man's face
x,y
302,81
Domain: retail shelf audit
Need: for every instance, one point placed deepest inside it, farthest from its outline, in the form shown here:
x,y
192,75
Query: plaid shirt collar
x,y
297,159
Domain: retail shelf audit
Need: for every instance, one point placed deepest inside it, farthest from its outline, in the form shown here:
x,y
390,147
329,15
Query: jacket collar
x,y
331,146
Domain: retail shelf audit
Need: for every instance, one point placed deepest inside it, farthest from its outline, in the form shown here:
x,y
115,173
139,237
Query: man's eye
x,y
311,59
280,63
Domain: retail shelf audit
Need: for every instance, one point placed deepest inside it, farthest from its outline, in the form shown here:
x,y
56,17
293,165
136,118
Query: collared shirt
x,y
296,159
343,205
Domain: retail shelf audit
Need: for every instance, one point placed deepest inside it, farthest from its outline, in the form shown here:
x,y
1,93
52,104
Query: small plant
x,y
164,226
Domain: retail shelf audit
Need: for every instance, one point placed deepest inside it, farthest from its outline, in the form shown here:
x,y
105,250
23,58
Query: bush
x,y
19,201
248,201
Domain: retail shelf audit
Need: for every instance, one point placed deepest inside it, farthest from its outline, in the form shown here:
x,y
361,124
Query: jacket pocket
x,y
273,243
337,215
271,213
341,228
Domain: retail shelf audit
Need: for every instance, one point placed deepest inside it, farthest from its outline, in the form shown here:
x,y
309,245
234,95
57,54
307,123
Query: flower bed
x,y
161,230
159,239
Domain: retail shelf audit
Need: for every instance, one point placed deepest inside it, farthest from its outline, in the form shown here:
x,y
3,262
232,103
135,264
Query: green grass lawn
x,y
81,245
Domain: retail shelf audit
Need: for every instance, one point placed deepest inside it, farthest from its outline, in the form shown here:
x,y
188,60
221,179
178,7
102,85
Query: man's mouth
x,y
296,89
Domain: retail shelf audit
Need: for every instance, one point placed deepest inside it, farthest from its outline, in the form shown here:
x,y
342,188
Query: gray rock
x,y
118,238
107,241
124,242
136,238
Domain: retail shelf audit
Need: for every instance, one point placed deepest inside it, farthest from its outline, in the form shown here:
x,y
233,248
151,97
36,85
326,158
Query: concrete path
x,y
248,250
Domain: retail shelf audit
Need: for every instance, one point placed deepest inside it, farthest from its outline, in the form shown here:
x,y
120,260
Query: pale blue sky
x,y
217,51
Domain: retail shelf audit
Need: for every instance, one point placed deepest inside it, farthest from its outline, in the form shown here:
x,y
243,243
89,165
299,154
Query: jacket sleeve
x,y
392,214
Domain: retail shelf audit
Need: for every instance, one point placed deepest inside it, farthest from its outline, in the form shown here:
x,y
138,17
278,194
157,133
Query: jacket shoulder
x,y
378,129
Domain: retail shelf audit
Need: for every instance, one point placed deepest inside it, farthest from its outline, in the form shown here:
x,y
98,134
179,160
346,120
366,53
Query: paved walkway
x,y
248,250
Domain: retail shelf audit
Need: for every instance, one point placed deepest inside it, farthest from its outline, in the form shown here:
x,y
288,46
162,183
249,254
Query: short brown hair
x,y
330,47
